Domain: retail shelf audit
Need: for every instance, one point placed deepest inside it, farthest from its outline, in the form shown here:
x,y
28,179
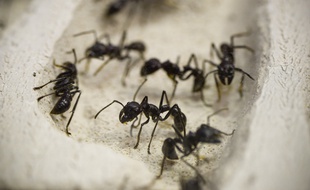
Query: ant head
x,y
130,111
208,134
96,51
150,66
168,149
226,49
226,73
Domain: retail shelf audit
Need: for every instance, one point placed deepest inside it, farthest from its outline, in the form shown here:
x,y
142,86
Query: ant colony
x,y
169,120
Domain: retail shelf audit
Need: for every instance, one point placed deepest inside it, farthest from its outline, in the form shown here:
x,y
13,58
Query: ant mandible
x,y
64,88
226,69
120,52
189,143
133,109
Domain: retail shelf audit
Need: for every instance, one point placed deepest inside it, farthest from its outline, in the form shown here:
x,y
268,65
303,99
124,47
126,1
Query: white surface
x,y
270,148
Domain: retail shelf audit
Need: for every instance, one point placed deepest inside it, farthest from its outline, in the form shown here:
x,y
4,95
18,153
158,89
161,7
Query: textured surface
x,y
270,149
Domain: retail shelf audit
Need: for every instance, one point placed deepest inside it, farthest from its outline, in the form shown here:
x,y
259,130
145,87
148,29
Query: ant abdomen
x,y
150,66
63,104
136,46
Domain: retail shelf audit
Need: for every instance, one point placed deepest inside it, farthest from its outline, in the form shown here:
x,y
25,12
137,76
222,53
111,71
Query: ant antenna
x,y
218,111
87,32
114,101
75,58
74,54
134,97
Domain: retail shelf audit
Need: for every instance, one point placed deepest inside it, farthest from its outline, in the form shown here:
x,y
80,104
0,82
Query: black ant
x,y
120,52
189,143
226,69
64,88
199,77
172,70
133,109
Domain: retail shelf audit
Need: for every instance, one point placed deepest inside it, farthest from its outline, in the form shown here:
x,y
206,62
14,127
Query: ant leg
x,y
80,60
134,96
163,95
114,101
213,48
192,58
179,134
87,32
218,88
122,40
73,110
197,156
126,71
238,35
39,87
101,67
130,16
228,134
162,167
244,47
240,46
203,99
87,65
195,169
61,66
45,96
74,55
138,138
149,146
242,79
211,62
218,111
175,84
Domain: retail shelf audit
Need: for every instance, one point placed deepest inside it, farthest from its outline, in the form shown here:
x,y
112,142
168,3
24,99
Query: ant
x,y
226,69
189,143
199,77
133,109
120,52
64,88
172,70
